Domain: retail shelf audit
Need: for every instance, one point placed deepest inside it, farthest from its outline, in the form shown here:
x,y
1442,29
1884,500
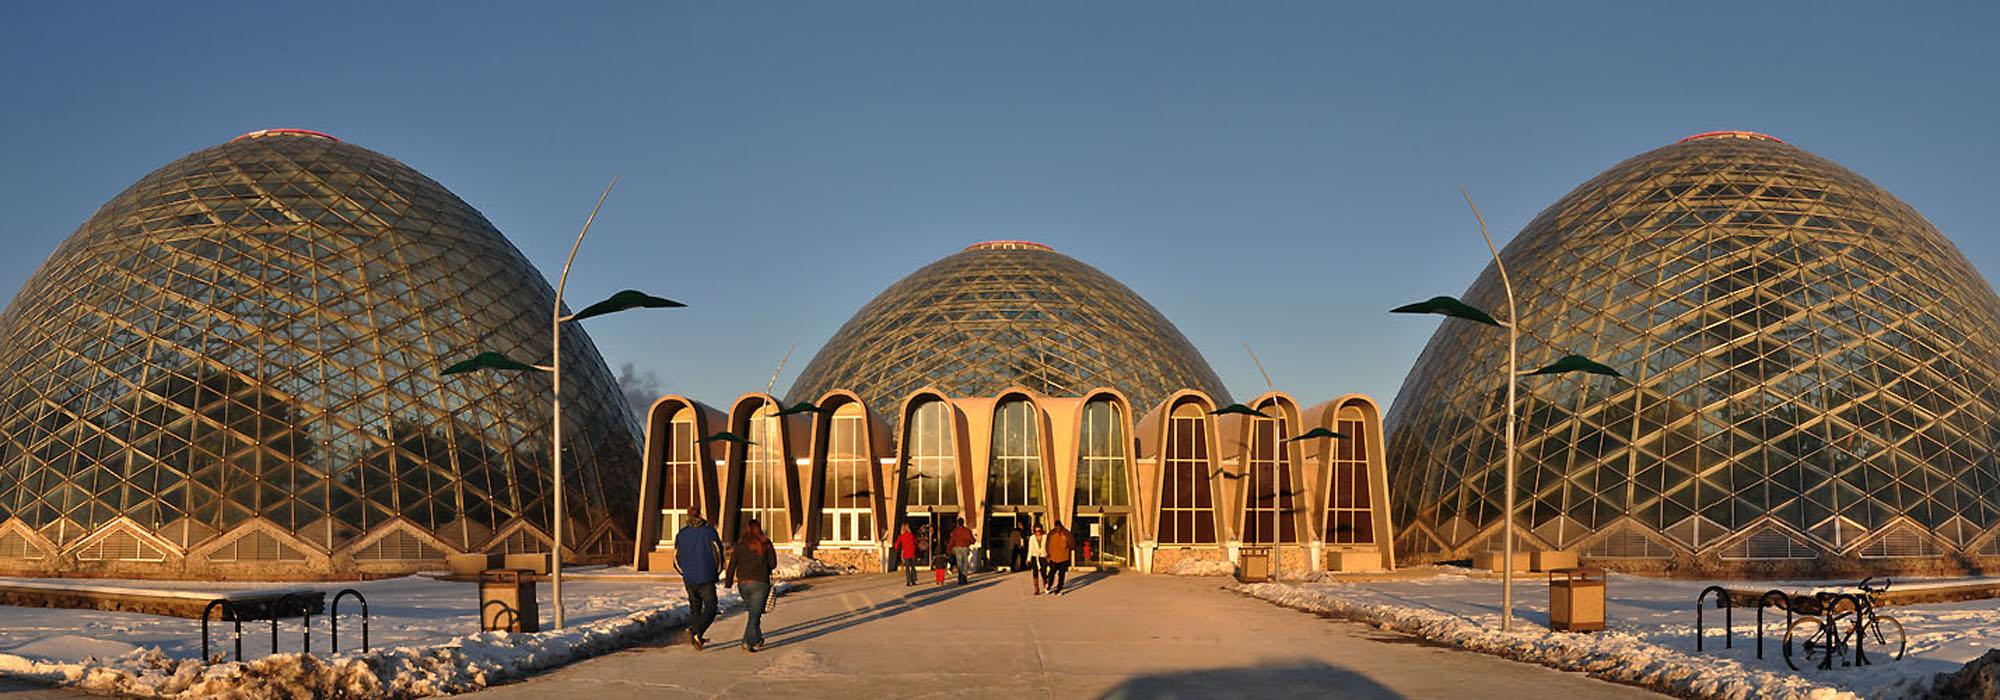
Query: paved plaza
x,y
1125,636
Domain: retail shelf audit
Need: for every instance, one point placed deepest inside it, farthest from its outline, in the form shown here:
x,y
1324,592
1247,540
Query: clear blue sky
x,y
1277,173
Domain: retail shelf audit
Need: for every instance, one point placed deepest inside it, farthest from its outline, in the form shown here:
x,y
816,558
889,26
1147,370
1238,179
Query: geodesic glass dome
x,y
1810,383
1002,314
235,363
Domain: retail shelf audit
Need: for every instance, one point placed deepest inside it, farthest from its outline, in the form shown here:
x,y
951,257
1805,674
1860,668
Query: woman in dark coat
x,y
750,565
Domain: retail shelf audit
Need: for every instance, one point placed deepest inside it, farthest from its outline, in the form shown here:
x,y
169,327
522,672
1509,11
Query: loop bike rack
x,y
303,604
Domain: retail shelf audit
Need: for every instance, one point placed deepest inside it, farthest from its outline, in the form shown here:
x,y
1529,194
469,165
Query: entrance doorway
x,y
933,528
1102,541
997,543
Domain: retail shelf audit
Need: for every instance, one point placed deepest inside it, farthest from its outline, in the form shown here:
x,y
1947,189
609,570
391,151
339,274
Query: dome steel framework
x,y
1004,314
236,361
1810,383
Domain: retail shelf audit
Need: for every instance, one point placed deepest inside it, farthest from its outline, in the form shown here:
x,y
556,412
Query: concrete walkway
x,y
1125,636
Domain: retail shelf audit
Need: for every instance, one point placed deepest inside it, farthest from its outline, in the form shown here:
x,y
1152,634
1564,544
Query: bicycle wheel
x,y
1806,640
1888,634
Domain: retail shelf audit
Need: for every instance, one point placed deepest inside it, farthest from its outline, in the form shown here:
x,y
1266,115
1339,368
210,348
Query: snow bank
x,y
1612,655
464,664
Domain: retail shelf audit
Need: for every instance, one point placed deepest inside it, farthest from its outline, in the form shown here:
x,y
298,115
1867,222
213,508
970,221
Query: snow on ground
x,y
423,634
1649,637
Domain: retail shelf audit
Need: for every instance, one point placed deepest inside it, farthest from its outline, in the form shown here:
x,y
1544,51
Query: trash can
x,y
1253,564
1576,599
507,601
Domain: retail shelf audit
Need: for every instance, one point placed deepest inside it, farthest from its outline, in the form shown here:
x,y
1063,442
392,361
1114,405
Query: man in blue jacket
x,y
698,558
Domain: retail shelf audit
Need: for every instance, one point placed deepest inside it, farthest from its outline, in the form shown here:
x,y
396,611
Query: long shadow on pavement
x,y
1294,679
829,624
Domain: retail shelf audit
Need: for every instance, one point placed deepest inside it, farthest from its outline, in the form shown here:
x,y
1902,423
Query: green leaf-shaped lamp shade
x,y
1576,363
728,437
1447,306
1318,433
1238,409
801,407
628,299
487,360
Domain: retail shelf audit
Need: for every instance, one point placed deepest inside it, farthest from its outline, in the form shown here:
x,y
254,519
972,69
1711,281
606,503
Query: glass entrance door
x,y
1102,541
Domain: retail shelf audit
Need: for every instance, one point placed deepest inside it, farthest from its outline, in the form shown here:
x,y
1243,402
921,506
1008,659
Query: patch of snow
x,y
1649,640
415,650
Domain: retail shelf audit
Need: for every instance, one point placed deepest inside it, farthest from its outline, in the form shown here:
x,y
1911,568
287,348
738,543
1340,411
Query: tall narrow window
x,y
1187,505
1100,470
931,478
1348,511
1270,499
845,514
680,487
1015,481
764,476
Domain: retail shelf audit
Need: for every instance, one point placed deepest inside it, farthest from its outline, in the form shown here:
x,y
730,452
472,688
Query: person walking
x,y
961,548
750,565
906,549
698,559
1017,548
1038,556
1058,570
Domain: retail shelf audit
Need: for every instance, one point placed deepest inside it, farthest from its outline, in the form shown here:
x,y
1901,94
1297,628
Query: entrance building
x,y
1181,489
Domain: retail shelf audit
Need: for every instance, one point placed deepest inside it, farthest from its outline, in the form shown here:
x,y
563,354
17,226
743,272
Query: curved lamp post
x,y
628,299
1453,308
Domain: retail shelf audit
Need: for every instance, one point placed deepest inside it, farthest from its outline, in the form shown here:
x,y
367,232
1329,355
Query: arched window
x,y
931,478
1015,481
1187,504
764,476
680,487
1270,498
845,513
1100,470
1349,517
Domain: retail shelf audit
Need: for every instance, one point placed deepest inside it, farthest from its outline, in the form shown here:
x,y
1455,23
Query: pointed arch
x,y
1353,478
1270,506
845,492
1183,502
677,475
761,478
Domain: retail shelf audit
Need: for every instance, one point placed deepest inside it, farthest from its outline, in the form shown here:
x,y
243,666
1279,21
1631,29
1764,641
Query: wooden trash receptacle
x,y
1253,565
507,601
1576,599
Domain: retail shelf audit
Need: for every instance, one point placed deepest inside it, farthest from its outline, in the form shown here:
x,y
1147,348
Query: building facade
x,y
1811,379
232,369
1178,489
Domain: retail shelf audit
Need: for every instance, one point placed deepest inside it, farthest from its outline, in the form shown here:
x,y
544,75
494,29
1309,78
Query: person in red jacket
x,y
906,548
961,549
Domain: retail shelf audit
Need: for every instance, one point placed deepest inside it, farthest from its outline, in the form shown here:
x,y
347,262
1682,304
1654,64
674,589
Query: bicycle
x,y
1819,639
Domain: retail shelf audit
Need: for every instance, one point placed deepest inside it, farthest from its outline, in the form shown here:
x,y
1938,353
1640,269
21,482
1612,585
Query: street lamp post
x,y
628,299
1448,306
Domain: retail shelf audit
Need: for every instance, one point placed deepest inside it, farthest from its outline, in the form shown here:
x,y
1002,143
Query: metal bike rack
x,y
257,608
1728,615
1784,600
333,620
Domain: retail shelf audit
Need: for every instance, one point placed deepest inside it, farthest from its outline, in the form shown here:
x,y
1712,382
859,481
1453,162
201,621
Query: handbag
x,y
771,600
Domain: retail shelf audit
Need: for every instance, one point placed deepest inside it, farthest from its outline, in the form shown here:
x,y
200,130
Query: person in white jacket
x,y
1038,556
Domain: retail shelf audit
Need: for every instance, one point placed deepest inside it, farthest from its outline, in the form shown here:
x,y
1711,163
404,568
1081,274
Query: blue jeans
x,y
963,557
755,593
701,607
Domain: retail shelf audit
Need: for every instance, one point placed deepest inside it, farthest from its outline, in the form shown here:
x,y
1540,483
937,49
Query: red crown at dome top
x,y
1010,245
309,133
1732,134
